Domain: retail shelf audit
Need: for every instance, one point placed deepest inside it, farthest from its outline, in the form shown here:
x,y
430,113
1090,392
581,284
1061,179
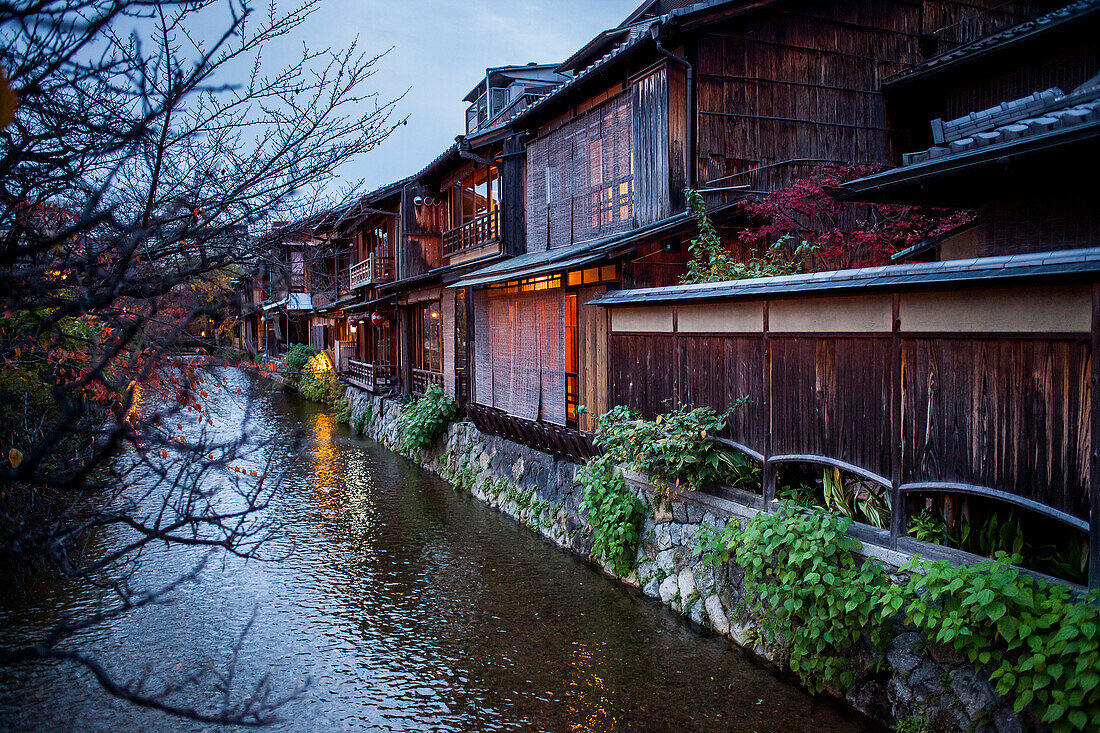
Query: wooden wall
x,y
989,388
803,82
420,241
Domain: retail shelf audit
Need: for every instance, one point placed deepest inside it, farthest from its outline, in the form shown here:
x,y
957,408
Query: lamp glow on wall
x,y
319,364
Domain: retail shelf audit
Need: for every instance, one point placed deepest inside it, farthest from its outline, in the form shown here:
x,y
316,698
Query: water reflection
x,y
411,607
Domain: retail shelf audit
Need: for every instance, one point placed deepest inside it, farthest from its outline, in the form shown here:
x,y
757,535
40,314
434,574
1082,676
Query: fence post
x,y
897,503
1094,446
769,467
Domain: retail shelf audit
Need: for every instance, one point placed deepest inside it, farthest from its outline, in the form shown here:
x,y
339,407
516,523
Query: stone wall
x,y
920,686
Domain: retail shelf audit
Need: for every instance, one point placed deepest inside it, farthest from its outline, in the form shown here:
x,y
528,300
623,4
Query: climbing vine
x,y
1039,642
424,420
614,512
712,262
807,592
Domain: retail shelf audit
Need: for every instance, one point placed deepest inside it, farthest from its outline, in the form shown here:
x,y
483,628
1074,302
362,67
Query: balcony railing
x,y
371,271
421,378
482,229
371,377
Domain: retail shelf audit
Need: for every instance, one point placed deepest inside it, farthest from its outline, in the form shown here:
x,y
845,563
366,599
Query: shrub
x,y
614,512
297,356
424,420
678,448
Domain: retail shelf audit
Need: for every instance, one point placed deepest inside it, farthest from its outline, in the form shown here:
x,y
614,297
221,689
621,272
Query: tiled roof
x,y
1071,13
1066,263
1039,113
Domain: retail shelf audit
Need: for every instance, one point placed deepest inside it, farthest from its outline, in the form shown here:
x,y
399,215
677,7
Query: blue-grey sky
x,y
441,49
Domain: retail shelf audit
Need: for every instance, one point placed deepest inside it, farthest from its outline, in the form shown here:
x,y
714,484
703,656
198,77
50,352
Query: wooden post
x,y
769,467
1094,447
897,504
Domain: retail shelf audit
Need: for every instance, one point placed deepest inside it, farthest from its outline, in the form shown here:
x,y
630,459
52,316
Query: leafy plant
x,y
807,591
928,526
676,449
424,420
614,512
711,261
297,356
1041,646
855,499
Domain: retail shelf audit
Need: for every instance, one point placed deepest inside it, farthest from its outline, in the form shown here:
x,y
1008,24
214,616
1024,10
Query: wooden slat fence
x,y
986,391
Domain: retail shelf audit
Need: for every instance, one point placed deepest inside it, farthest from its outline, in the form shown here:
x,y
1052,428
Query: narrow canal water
x,y
409,607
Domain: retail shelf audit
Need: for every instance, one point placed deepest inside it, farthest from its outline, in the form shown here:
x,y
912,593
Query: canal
x,y
408,607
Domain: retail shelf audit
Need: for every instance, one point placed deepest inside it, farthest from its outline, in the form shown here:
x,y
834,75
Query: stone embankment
x,y
918,686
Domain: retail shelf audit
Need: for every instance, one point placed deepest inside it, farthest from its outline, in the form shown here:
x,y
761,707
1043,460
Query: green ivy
x,y
1040,644
808,592
614,512
679,448
424,420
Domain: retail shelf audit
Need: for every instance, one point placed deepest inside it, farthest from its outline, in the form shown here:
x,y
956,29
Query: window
x,y
476,194
297,270
569,335
460,331
428,338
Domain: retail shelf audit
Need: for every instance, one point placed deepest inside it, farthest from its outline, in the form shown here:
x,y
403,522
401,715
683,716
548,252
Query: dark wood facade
x,y
986,391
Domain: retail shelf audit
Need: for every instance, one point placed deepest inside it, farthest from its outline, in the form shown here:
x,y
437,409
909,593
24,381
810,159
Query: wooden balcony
x,y
374,270
372,377
421,378
479,231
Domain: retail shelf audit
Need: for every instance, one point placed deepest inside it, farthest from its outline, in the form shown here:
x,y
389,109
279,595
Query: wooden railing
x,y
371,377
421,378
371,271
560,441
480,230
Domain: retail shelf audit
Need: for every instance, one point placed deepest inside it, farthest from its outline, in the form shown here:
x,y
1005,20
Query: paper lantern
x,y
377,318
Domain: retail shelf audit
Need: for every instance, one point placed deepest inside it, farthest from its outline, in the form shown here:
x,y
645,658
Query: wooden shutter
x,y
526,359
503,333
483,350
552,358
537,165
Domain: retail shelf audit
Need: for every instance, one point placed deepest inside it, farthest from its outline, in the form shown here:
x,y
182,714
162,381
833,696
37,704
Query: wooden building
x,y
728,98
412,238
1007,126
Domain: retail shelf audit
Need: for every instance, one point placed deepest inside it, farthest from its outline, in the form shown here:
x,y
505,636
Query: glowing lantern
x,y
377,318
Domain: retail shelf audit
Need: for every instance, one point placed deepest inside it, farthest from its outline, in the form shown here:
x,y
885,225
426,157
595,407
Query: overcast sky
x,y
441,49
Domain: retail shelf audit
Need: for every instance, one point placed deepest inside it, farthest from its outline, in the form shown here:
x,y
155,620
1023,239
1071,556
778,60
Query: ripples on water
x,y
410,607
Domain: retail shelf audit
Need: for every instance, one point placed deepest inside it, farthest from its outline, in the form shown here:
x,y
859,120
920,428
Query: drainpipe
x,y
689,102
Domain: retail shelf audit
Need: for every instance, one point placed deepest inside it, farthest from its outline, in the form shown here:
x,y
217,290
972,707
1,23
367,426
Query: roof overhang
x,y
534,264
954,175
1066,264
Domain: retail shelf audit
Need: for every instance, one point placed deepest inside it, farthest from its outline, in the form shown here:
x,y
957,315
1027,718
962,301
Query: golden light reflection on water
x,y
341,479
585,697
321,455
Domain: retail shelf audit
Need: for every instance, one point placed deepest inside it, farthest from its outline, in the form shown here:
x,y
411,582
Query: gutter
x,y
689,102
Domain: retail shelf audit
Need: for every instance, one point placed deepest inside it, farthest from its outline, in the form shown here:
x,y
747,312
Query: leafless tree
x,y
142,150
